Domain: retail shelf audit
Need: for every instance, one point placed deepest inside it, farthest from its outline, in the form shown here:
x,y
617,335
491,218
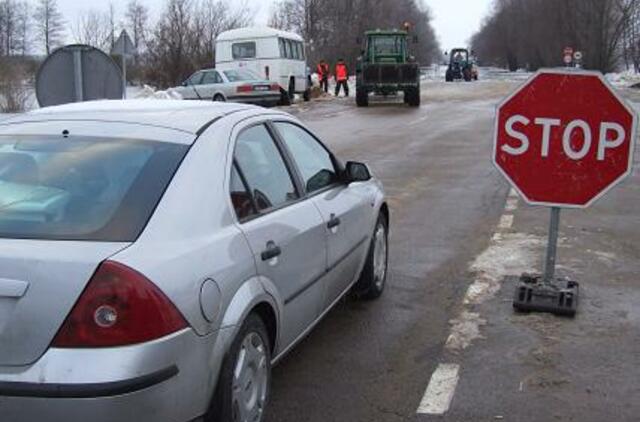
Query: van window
x,y
301,48
296,50
287,49
243,50
283,51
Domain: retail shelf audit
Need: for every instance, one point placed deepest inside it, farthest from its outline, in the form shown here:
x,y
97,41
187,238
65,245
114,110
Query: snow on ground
x,y
151,93
623,79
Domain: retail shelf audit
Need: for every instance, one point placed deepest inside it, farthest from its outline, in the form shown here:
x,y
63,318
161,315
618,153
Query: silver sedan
x,y
157,258
236,85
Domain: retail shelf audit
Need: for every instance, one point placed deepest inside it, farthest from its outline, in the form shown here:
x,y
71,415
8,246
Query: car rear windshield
x,y
99,189
240,75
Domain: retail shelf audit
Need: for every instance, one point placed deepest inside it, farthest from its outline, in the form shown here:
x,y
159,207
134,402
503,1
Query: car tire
x,y
252,386
362,98
219,98
292,89
373,278
284,98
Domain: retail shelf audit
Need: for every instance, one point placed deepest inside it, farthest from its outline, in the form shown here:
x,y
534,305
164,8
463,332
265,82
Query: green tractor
x,y
461,66
386,67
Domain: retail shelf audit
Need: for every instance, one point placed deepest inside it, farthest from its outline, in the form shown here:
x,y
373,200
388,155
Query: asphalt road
x,y
372,361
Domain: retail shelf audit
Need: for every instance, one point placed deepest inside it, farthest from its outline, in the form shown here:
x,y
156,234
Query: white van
x,y
275,55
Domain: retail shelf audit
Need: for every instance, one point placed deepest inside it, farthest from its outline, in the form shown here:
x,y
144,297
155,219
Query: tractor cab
x,y
386,47
461,66
386,67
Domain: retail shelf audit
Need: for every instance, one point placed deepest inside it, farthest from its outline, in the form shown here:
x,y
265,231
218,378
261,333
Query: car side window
x,y
264,169
240,197
195,79
313,161
210,78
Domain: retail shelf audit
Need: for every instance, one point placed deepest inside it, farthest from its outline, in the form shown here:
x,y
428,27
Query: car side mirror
x,y
185,83
356,172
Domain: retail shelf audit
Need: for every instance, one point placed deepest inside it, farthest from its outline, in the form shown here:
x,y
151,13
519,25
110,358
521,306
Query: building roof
x,y
185,116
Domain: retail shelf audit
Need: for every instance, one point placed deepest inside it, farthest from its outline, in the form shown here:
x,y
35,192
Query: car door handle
x,y
272,251
333,222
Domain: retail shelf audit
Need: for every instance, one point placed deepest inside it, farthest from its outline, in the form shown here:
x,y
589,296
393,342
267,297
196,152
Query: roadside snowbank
x,y
624,79
151,93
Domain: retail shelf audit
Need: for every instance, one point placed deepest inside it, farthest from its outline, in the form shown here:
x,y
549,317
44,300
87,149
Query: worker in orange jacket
x,y
342,77
323,75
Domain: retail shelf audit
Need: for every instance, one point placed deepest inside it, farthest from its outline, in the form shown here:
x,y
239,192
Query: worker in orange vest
x,y
323,75
342,77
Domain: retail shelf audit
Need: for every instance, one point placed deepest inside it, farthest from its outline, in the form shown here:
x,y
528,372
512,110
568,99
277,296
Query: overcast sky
x,y
455,20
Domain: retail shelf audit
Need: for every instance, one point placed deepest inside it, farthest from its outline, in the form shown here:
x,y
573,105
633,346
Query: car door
x,y
209,85
190,88
346,209
285,232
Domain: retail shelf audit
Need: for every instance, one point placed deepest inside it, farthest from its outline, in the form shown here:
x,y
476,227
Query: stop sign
x,y
564,138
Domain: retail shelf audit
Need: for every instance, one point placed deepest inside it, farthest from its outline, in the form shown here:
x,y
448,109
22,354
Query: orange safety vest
x,y
342,73
323,70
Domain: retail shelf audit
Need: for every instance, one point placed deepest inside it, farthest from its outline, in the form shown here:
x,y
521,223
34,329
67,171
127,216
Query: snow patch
x,y
623,79
464,330
508,254
151,93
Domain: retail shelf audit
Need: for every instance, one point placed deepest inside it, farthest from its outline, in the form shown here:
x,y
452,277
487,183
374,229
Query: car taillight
x,y
119,307
245,88
275,87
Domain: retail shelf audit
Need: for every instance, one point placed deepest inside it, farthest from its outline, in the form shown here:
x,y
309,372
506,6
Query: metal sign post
x,y
124,48
552,246
77,74
559,127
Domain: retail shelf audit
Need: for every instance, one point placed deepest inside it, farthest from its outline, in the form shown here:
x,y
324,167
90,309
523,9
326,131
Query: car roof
x,y
256,32
181,115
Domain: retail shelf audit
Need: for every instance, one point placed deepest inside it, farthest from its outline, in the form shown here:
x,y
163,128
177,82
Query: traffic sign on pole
x,y
124,48
563,140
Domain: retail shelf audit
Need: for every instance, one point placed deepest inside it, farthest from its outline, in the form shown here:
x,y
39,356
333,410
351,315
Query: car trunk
x,y
40,282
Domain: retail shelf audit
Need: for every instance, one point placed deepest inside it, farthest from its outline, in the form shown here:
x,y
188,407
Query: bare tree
x,y
92,27
137,18
183,39
49,24
324,23
533,33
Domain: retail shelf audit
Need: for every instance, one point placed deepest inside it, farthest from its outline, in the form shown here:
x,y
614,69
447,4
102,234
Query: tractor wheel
x,y
412,97
467,75
362,98
449,76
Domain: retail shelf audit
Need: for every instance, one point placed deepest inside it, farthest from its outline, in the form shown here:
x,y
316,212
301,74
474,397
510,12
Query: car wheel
x,y
284,98
362,98
245,378
374,274
292,89
219,98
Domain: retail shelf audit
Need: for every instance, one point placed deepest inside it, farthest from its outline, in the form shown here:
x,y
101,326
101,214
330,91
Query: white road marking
x,y
420,120
506,221
437,398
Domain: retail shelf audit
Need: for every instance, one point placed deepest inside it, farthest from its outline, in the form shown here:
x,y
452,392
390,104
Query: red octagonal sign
x,y
564,138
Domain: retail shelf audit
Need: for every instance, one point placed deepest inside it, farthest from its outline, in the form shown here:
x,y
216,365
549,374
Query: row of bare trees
x,y
533,33
332,28
25,25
